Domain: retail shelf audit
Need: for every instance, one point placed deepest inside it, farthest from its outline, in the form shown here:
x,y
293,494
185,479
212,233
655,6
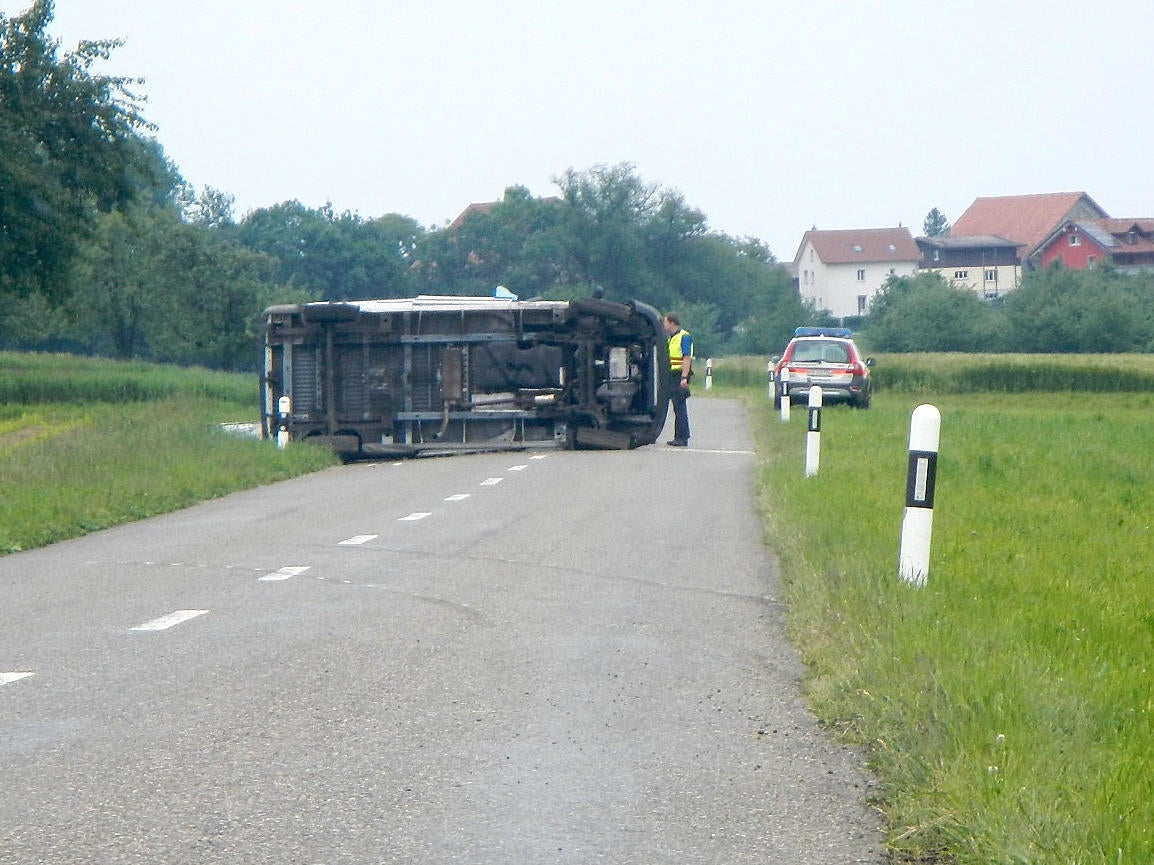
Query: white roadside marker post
x,y
921,478
708,373
813,436
284,407
783,387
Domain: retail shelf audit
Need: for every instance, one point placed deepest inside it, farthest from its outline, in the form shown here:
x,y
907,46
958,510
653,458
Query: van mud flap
x,y
588,437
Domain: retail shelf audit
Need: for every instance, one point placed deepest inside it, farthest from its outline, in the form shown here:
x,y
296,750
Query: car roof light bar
x,y
843,332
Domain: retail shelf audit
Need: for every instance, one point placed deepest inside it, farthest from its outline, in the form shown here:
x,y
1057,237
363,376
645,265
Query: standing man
x,y
681,370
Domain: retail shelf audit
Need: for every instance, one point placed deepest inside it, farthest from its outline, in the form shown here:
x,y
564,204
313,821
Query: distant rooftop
x,y
865,245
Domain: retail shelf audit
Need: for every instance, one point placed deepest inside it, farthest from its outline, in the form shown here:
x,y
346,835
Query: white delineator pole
x,y
813,436
783,386
708,373
284,407
921,478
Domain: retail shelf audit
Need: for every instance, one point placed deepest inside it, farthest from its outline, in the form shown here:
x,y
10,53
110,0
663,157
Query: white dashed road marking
x,y
457,497
356,540
491,482
520,468
9,678
165,622
411,518
284,574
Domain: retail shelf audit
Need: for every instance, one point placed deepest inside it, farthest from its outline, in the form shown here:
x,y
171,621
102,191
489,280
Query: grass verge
x,y
1007,706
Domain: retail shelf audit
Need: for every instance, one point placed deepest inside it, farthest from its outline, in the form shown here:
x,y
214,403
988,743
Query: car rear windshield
x,y
821,351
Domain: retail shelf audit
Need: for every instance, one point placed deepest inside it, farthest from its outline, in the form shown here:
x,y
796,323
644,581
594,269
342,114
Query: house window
x,y
861,275
937,255
961,274
1075,240
991,274
861,304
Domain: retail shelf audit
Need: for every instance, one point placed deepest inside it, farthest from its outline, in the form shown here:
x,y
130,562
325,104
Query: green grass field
x,y
1007,705
87,444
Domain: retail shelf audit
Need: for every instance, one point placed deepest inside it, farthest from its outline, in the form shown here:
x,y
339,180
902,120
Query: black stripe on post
x,y
815,419
921,478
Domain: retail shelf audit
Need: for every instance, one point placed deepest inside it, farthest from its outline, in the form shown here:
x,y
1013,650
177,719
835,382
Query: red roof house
x,y
1025,219
1128,244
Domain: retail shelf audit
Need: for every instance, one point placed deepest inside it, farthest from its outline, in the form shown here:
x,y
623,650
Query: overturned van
x,y
438,374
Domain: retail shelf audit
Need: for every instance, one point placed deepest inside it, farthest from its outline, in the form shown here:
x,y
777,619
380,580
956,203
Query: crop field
x,y
1008,705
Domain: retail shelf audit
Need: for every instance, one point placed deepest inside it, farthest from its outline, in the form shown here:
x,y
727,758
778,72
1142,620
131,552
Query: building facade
x,y
987,265
1126,244
842,270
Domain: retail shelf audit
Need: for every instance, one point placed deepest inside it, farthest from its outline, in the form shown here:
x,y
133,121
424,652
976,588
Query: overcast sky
x,y
769,117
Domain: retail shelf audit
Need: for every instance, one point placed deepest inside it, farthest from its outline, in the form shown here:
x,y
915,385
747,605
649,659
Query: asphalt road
x,y
497,659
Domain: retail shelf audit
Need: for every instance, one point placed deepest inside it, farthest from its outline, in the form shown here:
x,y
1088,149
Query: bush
x,y
1053,311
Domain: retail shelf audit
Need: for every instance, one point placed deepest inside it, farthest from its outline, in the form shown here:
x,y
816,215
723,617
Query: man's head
x,y
672,323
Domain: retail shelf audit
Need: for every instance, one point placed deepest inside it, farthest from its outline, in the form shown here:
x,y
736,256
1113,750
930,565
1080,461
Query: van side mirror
x,y
870,362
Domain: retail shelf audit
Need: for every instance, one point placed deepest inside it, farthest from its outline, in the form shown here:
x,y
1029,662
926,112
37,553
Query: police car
x,y
823,356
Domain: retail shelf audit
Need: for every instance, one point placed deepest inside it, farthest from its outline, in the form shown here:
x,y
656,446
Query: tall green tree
x,y
70,147
760,298
936,224
334,256
153,286
607,209
118,271
212,208
514,242
213,291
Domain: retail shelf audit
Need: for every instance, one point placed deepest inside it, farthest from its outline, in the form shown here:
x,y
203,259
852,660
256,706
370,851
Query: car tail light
x,y
859,368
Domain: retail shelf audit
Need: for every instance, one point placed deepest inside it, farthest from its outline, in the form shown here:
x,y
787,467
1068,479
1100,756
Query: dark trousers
x,y
678,397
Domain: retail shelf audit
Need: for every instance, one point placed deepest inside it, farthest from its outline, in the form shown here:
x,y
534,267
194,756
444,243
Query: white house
x,y
842,270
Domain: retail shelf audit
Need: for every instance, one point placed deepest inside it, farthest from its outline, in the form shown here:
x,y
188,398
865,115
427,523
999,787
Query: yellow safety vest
x,y
675,359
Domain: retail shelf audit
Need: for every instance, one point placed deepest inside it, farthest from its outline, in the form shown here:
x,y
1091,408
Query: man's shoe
x,y
677,443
